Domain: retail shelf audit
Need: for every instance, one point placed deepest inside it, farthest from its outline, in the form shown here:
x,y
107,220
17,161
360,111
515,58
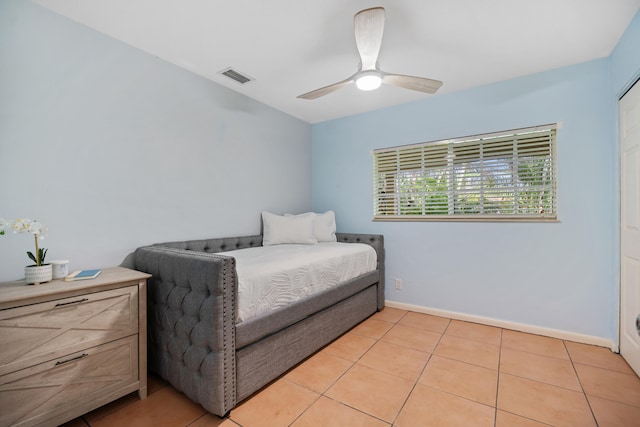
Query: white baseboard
x,y
522,327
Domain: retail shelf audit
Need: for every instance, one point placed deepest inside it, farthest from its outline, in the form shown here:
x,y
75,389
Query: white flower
x,y
37,228
42,231
21,225
25,225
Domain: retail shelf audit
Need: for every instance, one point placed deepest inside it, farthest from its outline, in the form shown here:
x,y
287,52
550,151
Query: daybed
x,y
195,341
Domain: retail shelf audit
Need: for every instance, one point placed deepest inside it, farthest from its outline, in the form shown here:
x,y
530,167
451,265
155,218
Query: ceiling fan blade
x,y
414,83
325,90
369,27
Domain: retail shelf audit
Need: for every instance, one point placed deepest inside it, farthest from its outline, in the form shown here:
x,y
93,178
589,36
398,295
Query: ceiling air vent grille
x,y
235,75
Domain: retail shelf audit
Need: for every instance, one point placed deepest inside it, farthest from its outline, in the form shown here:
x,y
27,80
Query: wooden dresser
x,y
67,348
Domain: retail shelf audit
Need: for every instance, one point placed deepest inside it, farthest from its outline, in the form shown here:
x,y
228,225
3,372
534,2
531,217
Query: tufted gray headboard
x,y
221,244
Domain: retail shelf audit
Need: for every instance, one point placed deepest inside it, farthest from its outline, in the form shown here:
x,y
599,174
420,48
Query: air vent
x,y
235,75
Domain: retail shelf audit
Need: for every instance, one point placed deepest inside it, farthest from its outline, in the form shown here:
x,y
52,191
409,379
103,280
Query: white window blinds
x,y
500,176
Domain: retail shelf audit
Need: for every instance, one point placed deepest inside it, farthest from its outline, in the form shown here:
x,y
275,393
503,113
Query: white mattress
x,y
271,277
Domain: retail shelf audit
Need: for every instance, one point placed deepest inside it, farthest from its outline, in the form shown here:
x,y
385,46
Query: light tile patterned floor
x,y
405,369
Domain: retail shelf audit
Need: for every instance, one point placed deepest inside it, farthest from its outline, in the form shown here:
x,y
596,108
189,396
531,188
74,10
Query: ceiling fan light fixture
x,y
369,27
369,80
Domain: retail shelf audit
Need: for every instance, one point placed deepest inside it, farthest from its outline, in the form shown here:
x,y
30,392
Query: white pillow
x,y
324,227
278,229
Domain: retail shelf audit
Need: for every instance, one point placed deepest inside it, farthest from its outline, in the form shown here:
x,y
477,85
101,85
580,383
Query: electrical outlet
x,y
398,284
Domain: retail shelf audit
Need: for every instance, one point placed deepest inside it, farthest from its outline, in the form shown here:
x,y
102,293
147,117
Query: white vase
x,y
36,275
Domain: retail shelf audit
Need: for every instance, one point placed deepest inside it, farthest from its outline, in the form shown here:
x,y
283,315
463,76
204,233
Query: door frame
x,y
635,79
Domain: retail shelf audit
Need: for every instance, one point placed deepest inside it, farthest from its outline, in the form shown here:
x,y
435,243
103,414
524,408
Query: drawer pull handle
x,y
62,362
72,302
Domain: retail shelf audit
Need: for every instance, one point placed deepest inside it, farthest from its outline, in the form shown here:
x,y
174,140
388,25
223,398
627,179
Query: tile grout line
x,y
584,393
550,384
498,387
392,423
420,374
362,355
500,346
321,394
498,384
308,407
495,413
356,409
397,322
353,363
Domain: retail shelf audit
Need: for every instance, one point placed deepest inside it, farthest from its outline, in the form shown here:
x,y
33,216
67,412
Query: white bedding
x,y
271,277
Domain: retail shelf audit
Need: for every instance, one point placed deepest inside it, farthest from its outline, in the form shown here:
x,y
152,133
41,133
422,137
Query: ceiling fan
x,y
369,27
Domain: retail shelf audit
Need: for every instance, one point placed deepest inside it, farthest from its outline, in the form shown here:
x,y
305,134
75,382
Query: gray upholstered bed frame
x,y
194,341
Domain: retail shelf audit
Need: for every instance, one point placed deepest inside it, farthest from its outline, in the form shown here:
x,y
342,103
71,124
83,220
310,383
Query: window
x,y
500,176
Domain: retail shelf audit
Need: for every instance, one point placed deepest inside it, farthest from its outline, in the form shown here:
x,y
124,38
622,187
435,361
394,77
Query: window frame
x,y
497,152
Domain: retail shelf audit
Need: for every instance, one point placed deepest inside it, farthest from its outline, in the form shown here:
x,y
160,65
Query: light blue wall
x,y
625,59
557,275
113,148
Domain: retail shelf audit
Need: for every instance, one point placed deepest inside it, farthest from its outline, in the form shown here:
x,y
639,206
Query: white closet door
x,y
630,227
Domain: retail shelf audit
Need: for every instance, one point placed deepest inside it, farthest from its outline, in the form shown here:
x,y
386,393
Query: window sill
x,y
446,218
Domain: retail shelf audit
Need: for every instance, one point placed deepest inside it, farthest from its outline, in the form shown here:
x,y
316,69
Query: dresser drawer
x,y
48,391
35,333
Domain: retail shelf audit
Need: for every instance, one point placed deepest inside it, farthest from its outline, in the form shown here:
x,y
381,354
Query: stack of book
x,y
82,275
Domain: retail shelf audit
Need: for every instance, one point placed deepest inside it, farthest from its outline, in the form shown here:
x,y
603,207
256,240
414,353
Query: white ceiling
x,y
293,46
